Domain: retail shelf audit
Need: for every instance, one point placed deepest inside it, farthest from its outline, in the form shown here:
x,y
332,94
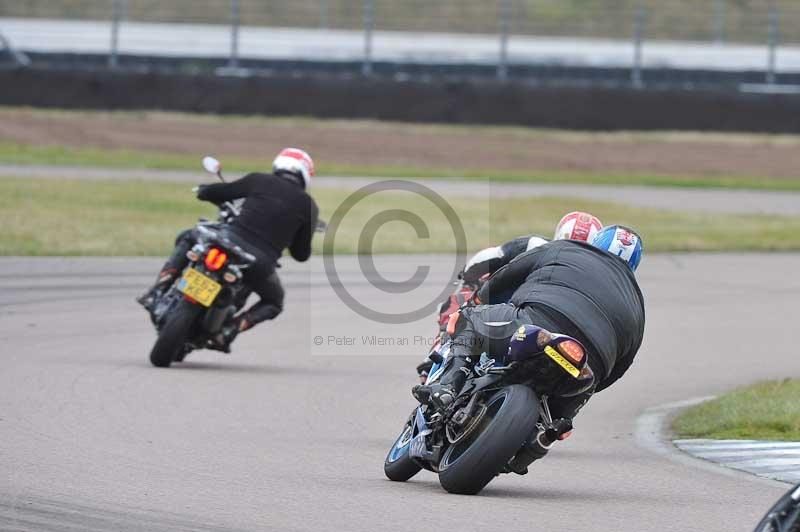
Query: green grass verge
x,y
50,155
766,411
52,217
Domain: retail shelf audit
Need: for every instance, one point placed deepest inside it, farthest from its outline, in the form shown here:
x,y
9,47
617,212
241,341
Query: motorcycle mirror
x,y
212,166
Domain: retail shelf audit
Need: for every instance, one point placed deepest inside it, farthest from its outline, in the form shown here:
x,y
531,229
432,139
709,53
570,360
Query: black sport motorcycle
x,y
785,515
191,312
209,293
499,409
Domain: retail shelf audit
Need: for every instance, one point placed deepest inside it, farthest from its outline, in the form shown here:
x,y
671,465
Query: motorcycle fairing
x,y
438,367
418,448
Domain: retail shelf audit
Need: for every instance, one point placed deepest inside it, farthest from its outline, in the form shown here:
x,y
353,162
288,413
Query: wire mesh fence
x,y
738,21
496,31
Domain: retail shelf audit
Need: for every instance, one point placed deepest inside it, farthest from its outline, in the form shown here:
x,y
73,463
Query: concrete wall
x,y
485,102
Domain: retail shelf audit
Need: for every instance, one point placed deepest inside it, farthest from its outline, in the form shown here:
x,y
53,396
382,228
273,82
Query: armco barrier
x,y
465,101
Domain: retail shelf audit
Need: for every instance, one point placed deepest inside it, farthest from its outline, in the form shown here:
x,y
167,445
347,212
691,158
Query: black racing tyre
x,y
173,335
472,462
399,466
785,515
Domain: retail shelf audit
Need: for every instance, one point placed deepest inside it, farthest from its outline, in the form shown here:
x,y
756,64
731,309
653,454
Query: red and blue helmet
x,y
621,241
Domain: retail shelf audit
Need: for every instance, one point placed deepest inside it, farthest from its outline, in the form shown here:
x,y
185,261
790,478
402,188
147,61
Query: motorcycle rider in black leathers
x,y
277,214
576,225
585,291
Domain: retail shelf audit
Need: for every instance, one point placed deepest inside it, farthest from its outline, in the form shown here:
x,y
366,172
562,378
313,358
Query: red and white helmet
x,y
295,161
577,225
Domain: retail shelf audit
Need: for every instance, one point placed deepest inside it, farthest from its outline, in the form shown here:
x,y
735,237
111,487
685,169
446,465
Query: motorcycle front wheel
x,y
399,466
784,515
508,419
173,335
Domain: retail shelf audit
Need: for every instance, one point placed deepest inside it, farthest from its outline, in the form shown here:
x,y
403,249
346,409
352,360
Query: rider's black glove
x,y
424,367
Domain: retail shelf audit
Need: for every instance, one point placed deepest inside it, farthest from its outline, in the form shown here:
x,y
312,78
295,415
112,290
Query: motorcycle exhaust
x,y
216,317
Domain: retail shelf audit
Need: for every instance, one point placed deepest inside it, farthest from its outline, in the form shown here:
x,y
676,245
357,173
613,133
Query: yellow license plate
x,y
199,287
561,361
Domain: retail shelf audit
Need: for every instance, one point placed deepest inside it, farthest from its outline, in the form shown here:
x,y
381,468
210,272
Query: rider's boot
x,y
163,282
175,264
444,393
223,340
261,311
230,331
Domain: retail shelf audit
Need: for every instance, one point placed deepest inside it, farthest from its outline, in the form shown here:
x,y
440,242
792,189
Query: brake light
x,y
216,259
572,350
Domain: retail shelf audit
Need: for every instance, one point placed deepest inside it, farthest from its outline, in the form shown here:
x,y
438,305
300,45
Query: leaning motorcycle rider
x,y
576,225
586,291
277,213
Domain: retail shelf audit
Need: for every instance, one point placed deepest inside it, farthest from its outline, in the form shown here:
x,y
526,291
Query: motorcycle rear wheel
x,y
468,465
173,335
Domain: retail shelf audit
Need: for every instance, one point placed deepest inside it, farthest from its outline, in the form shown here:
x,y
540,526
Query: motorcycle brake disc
x,y
468,429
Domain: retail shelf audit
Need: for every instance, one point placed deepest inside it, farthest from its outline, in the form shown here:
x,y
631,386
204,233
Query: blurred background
x,y
517,93
686,43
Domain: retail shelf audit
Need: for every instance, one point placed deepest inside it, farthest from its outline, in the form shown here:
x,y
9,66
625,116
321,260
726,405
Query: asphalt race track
x,y
287,435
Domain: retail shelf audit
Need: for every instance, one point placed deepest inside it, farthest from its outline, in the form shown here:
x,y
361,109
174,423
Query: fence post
x,y
773,36
719,21
369,23
19,57
638,36
116,17
324,14
505,25
233,61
